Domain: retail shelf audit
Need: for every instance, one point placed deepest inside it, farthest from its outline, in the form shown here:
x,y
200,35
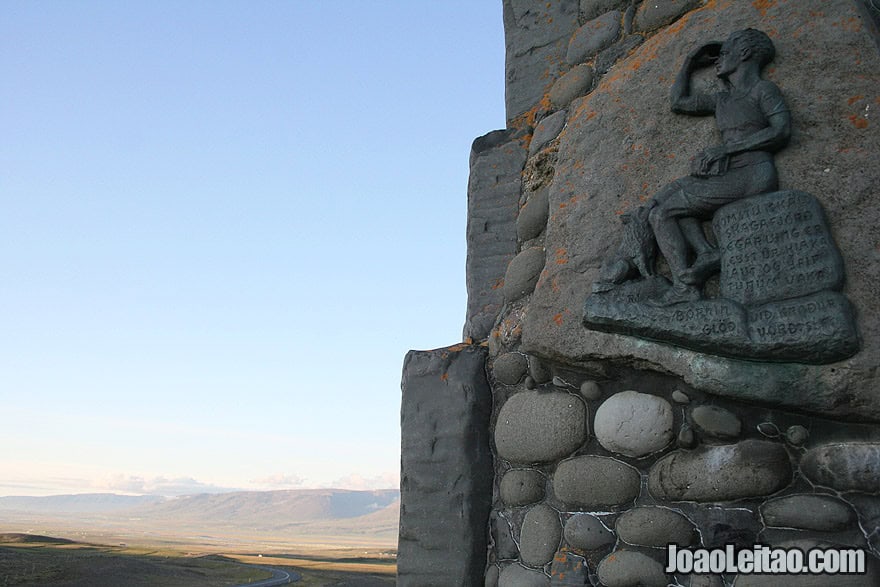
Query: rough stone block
x,y
622,144
446,467
493,203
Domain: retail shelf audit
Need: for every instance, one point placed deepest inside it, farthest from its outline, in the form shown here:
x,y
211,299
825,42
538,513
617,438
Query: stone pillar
x,y
446,468
497,162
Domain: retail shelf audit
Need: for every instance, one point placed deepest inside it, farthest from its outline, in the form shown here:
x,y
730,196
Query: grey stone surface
x,y
533,216
510,368
590,9
716,422
808,512
540,535
797,434
493,204
703,581
536,39
587,532
844,466
446,467
751,468
518,576
573,83
590,390
594,36
607,58
522,273
591,481
539,371
727,525
568,570
536,427
630,110
492,574
654,14
521,487
634,424
655,526
504,546
627,568
547,130
680,397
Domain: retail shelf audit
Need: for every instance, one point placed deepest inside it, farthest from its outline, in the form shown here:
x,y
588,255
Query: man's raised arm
x,y
683,100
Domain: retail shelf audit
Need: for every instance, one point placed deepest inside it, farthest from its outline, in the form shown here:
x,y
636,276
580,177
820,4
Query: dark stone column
x,y
446,468
497,162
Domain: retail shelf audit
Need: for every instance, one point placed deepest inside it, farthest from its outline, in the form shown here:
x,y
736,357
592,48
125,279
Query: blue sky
x,y
223,224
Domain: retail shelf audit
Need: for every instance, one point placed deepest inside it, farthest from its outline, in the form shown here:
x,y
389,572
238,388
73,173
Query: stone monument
x,y
660,352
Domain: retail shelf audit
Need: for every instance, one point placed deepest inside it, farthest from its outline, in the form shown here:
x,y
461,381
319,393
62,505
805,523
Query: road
x,y
279,577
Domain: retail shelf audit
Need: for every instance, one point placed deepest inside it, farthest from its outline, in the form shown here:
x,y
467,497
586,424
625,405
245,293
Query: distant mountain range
x,y
86,503
307,512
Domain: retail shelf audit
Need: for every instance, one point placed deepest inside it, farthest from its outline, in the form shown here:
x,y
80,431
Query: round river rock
x,y
538,427
521,487
509,368
591,481
626,568
655,526
851,466
634,424
586,532
540,536
751,468
808,512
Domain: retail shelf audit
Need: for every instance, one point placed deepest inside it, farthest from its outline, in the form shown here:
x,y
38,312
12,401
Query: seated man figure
x,y
754,123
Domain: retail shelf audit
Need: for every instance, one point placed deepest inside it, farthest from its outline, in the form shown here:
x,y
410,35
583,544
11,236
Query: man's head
x,y
744,45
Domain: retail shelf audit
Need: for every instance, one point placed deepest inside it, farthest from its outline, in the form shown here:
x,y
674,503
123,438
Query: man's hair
x,y
760,44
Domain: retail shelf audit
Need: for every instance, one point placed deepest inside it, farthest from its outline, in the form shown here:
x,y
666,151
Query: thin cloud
x,y
158,485
387,480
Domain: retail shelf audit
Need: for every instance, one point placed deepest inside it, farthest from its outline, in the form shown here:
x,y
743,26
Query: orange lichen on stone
x,y
561,256
858,121
558,319
499,283
444,377
854,99
554,284
763,6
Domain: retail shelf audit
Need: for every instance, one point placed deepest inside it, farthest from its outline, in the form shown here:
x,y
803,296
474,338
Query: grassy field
x,y
31,561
